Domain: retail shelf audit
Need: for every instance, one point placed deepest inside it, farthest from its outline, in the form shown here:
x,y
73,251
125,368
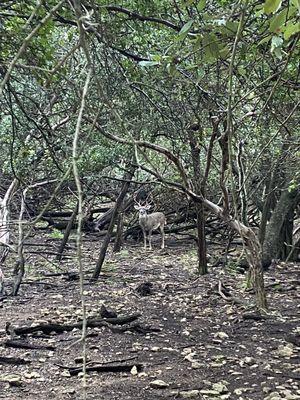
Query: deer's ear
x,y
136,207
147,207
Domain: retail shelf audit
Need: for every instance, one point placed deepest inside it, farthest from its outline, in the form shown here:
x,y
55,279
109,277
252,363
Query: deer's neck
x,y
143,219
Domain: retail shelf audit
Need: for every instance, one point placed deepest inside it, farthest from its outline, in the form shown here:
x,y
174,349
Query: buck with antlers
x,y
150,222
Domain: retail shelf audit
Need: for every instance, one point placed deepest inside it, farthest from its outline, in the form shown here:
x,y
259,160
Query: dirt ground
x,y
188,342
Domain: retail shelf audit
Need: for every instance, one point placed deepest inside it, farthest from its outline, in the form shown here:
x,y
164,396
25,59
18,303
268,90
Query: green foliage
x,y
150,80
272,6
56,234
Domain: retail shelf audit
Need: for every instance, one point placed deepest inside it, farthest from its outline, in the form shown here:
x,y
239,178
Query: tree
x,y
205,93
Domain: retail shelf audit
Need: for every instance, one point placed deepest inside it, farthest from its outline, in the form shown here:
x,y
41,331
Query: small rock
x,y
209,392
189,394
134,370
66,373
196,365
70,391
220,387
285,351
186,351
273,396
32,375
218,364
158,384
288,395
238,391
266,389
221,335
142,375
12,379
189,357
170,349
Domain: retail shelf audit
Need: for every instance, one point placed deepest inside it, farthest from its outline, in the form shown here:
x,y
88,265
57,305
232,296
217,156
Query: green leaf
x,y
201,5
148,63
185,29
210,46
276,42
264,40
224,52
276,46
232,27
296,3
200,74
272,6
277,21
291,29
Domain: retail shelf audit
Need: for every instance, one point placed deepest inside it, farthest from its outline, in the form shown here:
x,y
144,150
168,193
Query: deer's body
x,y
150,222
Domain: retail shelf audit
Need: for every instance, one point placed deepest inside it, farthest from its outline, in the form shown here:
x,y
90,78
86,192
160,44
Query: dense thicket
x,y
204,94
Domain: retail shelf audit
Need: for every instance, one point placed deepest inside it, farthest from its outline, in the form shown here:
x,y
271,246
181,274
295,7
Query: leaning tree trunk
x,y
253,250
67,233
127,179
119,235
274,245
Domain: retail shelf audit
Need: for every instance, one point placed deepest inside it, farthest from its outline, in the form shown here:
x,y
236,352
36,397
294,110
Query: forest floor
x,y
187,342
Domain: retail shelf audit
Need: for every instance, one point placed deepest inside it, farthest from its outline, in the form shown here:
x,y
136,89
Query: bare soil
x,y
198,343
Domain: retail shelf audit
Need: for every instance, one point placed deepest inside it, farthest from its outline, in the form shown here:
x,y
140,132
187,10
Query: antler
x,y
151,199
135,200
145,202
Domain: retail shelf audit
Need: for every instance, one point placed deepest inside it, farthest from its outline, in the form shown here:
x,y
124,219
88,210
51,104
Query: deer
x,y
150,222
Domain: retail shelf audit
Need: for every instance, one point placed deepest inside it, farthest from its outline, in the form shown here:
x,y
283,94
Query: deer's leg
x,y
145,239
162,237
150,234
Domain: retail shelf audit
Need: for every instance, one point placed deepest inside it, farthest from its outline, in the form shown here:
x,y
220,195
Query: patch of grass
x,y
232,267
56,234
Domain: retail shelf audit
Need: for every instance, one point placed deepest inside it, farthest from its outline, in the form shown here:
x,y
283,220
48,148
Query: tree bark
x,y
197,179
127,178
119,235
67,233
273,246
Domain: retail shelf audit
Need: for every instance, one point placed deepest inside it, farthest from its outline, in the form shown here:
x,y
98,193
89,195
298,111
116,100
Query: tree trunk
x,y
201,240
286,235
253,254
119,235
127,178
197,179
67,233
273,246
4,227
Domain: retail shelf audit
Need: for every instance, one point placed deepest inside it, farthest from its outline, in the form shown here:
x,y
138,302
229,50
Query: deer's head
x,y
142,208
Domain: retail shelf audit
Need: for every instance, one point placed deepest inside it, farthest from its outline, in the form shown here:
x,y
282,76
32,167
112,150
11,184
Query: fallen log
x,y
91,323
67,214
22,344
104,368
136,328
13,360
